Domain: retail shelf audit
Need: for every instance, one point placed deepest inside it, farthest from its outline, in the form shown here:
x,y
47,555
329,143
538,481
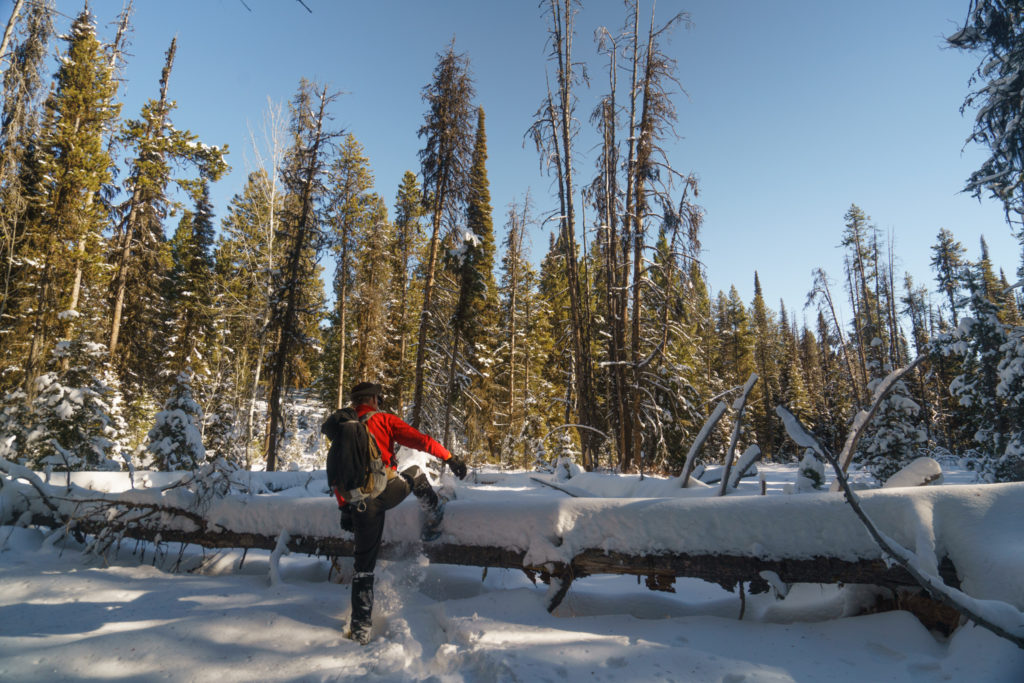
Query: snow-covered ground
x,y
64,616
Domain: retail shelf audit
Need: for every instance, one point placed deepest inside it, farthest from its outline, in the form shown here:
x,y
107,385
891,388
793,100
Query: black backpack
x,y
354,464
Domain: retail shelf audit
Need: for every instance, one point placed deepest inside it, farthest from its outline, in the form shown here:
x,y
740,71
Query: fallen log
x,y
660,570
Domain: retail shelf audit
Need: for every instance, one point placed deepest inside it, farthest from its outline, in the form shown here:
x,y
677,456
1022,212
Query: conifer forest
x,y
138,332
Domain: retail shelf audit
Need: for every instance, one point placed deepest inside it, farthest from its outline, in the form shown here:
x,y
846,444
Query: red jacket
x,y
390,429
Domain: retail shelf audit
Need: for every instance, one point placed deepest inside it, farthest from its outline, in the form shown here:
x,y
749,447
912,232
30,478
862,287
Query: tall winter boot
x,y
433,506
362,608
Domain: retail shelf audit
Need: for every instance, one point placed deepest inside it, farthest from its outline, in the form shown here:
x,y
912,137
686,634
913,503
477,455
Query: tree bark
x,y
10,28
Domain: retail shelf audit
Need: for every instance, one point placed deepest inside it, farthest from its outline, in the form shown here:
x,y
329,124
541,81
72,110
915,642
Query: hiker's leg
x,y
433,507
362,607
368,526
421,487
394,493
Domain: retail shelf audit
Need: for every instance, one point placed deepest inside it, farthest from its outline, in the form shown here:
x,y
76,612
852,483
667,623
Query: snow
x,y
66,616
920,471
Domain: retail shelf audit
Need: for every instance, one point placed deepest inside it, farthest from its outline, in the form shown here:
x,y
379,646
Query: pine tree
x,y
793,392
22,88
1010,464
73,417
474,319
373,278
895,433
351,230
140,255
765,392
557,398
554,132
734,357
406,243
445,160
948,262
860,238
64,227
996,28
976,344
245,263
190,283
175,441
517,370
296,285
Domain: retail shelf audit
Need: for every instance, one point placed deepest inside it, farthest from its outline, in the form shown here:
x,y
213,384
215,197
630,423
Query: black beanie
x,y
365,390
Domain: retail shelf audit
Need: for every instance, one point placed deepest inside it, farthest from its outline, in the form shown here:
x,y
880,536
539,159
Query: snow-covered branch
x,y
1001,618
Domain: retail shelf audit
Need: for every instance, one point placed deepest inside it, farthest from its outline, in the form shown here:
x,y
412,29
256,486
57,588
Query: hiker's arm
x,y
410,437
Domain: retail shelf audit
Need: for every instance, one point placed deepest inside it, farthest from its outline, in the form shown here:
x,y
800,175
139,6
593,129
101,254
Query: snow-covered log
x,y
726,570
735,539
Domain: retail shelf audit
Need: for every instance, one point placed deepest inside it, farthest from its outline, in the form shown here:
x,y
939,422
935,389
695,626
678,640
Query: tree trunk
x,y
10,28
428,301
302,231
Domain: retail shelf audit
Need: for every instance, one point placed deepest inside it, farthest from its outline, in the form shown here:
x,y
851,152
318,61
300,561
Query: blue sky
x,y
794,109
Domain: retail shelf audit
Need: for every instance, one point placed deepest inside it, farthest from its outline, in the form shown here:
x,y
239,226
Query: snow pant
x,y
368,527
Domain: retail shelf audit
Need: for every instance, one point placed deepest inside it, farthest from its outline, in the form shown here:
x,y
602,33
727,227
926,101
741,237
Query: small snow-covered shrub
x,y
894,434
175,442
71,423
810,474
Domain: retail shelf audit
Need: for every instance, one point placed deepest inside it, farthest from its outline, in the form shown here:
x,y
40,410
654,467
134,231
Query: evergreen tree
x,y
1009,310
518,366
860,238
976,345
22,88
1009,466
736,341
948,263
734,357
554,132
474,320
895,432
351,224
140,255
764,394
190,295
406,243
73,418
64,232
175,442
373,279
445,159
245,263
557,396
793,392
296,288
996,28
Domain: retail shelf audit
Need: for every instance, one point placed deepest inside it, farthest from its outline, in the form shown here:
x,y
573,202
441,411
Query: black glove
x,y
346,519
457,467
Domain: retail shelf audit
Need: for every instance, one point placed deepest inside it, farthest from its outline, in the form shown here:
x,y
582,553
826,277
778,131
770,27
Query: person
x,y
366,520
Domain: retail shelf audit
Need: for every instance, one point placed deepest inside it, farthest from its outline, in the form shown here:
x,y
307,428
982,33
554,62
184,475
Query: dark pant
x,y
368,525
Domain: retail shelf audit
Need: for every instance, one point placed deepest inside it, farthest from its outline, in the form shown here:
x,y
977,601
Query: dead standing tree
x,y
553,132
302,175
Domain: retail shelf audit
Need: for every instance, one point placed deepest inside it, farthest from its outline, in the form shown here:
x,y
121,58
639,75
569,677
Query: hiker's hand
x,y
346,518
457,467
